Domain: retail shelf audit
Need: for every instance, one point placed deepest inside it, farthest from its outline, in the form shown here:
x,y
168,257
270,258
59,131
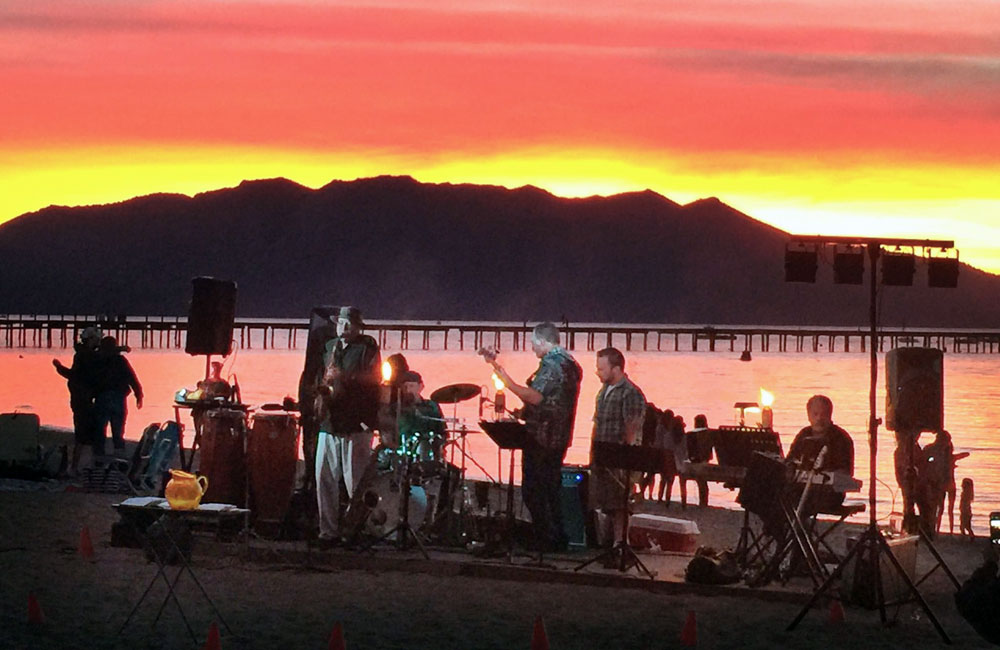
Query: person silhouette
x,y
81,379
115,380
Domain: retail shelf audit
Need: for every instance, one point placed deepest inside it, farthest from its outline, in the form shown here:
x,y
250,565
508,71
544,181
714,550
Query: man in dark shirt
x,y
823,433
115,380
421,424
81,379
347,411
549,398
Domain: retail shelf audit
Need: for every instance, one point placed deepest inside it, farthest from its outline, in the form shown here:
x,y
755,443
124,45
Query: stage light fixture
x,y
898,269
800,264
849,266
942,272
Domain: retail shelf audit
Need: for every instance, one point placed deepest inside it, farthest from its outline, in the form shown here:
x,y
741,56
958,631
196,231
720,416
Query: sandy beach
x,y
290,598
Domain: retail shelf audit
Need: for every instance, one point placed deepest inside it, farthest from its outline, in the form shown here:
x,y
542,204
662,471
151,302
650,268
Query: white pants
x,y
338,457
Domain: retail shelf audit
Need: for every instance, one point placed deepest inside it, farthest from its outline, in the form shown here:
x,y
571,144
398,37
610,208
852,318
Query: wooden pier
x,y
169,332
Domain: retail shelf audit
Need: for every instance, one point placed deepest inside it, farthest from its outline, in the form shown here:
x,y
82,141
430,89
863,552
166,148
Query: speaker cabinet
x,y
914,392
573,499
210,319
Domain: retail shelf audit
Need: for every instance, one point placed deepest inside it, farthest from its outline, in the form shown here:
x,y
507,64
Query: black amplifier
x,y
573,498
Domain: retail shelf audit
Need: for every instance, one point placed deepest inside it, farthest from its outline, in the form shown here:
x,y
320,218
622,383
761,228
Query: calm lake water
x,y
687,382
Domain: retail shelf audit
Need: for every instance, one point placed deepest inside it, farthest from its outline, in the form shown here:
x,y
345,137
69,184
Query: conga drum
x,y
272,456
223,436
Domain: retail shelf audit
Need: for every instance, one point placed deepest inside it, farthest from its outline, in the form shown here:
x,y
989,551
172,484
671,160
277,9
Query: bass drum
x,y
383,497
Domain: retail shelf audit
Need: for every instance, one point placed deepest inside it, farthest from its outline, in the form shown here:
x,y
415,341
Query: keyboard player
x,y
810,441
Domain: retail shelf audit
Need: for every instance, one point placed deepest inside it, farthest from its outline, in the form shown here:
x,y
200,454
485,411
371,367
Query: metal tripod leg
x,y
875,544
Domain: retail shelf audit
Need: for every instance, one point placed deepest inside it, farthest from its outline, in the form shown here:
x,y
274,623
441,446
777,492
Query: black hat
x,y
351,314
411,376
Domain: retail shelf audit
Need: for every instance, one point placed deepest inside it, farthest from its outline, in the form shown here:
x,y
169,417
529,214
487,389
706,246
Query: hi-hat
x,y
455,393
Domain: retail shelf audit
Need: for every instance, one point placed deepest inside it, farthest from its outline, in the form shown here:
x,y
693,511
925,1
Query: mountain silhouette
x,y
402,249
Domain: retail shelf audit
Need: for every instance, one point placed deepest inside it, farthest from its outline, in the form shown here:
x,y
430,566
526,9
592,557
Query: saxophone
x,y
330,386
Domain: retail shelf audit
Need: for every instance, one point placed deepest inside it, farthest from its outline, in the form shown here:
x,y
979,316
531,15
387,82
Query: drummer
x,y
420,420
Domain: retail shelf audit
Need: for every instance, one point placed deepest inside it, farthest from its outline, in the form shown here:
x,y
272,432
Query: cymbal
x,y
455,393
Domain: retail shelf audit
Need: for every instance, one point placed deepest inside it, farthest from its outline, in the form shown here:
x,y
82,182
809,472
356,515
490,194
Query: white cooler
x,y
662,534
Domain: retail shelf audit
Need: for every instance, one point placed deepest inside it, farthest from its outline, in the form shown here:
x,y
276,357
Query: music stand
x,y
767,490
632,458
512,436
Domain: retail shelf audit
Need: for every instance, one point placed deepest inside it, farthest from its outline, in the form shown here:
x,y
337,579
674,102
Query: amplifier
x,y
573,499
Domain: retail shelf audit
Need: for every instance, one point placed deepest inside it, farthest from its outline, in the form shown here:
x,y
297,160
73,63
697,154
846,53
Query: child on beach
x,y
965,508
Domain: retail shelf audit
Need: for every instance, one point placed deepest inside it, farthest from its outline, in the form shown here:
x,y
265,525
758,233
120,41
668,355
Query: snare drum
x,y
272,455
223,436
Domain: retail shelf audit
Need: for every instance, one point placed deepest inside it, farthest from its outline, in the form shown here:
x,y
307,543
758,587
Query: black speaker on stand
x,y
211,316
914,399
914,389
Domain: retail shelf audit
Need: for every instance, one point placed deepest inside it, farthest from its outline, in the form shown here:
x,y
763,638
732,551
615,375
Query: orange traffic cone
x,y
836,612
86,546
539,640
689,633
35,615
337,637
212,642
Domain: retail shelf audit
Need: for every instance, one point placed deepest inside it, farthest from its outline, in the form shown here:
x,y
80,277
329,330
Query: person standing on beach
x,y
115,380
965,509
696,454
347,410
618,419
550,398
81,379
937,473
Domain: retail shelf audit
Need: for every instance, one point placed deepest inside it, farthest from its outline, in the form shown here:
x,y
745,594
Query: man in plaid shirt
x,y
549,398
618,418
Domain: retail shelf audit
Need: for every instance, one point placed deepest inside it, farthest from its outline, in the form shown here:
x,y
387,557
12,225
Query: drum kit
x,y
413,489
410,489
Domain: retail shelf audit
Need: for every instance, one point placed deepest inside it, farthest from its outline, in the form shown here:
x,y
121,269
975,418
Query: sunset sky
x,y
819,117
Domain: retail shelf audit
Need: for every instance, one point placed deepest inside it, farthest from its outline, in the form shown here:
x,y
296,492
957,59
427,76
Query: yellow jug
x,y
184,490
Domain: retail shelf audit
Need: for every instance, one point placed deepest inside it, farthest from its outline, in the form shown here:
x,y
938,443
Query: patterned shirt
x,y
616,405
558,380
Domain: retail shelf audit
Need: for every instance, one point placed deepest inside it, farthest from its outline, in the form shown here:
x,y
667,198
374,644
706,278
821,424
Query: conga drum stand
x,y
632,458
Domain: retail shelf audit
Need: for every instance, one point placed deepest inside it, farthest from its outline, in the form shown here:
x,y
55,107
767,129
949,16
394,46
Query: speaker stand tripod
x,y
867,549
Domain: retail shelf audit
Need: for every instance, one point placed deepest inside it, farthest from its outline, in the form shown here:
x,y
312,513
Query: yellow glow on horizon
x,y
880,198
